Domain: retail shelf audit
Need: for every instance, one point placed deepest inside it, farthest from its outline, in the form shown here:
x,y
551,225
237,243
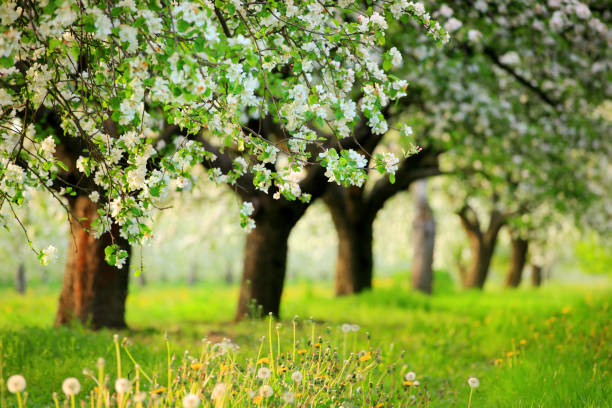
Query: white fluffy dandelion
x,y
266,391
297,376
122,385
288,397
473,382
218,391
140,397
410,376
71,386
263,373
16,383
191,401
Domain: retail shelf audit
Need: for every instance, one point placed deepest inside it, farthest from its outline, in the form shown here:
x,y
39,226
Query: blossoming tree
x,y
515,113
103,105
513,92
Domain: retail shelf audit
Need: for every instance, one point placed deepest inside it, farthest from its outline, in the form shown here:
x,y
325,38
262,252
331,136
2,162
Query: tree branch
x,y
420,165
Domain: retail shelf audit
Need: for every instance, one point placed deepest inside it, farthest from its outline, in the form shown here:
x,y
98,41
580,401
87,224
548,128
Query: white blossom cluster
x,y
90,89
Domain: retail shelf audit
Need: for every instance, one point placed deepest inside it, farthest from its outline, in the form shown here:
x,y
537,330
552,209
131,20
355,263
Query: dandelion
x,y
416,384
473,383
346,328
140,397
266,391
365,357
218,391
16,383
297,376
288,397
263,373
191,401
410,376
122,385
71,386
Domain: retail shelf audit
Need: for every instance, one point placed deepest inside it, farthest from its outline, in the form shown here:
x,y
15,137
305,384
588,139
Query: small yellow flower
x,y
282,369
523,342
379,405
367,356
196,366
407,383
159,390
498,361
302,351
566,310
317,345
263,360
257,399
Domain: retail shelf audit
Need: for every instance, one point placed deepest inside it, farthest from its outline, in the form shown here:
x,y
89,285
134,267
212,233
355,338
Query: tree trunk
x,y
424,235
482,245
518,258
354,226
20,283
536,275
355,260
265,260
93,292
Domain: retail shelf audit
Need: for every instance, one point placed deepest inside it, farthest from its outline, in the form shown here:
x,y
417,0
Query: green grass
x,y
565,360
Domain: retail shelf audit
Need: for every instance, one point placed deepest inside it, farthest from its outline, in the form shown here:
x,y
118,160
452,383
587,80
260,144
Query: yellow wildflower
x,y
367,356
264,360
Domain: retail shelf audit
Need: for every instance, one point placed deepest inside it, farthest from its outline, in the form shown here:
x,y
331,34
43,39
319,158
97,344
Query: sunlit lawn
x,y
560,337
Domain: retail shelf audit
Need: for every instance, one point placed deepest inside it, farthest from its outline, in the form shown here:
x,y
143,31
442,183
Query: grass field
x,y
559,338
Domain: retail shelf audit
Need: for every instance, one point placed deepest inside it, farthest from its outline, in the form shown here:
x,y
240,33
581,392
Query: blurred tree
x,y
511,103
424,237
518,258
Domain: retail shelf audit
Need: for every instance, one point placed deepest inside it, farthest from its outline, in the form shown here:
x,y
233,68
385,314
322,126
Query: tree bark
x,y
482,245
536,275
93,292
354,226
518,258
355,259
20,283
265,259
424,235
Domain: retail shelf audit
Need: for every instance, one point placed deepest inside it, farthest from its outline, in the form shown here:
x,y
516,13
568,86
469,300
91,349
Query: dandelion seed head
x,y
191,401
71,386
16,383
122,385
263,373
